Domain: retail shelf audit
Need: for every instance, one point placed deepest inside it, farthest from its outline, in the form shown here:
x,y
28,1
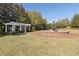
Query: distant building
x,y
13,26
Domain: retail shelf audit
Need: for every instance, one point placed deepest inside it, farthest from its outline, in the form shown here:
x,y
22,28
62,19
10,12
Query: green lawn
x,y
29,44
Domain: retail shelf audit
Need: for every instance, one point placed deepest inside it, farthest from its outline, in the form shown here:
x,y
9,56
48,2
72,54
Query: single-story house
x,y
13,26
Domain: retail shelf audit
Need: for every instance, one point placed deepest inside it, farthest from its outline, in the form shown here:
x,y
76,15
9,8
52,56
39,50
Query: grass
x,y
28,44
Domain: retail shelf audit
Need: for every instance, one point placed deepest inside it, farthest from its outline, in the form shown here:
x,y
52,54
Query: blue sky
x,y
53,11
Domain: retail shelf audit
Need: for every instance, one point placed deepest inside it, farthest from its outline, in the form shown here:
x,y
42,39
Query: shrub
x,y
2,28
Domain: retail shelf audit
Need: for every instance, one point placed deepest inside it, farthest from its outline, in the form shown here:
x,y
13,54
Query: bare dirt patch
x,y
56,34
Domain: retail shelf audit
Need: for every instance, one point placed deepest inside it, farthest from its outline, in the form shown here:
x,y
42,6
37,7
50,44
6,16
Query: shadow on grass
x,y
13,34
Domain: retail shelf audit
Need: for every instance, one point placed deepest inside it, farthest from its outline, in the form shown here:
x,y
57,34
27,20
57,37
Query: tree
x,y
37,22
75,21
42,24
62,23
8,12
23,15
50,26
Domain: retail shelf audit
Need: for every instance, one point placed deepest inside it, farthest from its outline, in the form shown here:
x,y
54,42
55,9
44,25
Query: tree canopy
x,y
75,21
62,23
37,21
8,12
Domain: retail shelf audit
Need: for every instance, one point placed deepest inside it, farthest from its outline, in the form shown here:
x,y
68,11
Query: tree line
x,y
13,12
63,23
